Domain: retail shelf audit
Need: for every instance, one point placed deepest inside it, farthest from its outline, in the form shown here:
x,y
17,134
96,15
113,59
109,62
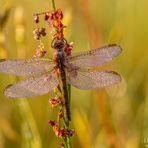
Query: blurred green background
x,y
116,117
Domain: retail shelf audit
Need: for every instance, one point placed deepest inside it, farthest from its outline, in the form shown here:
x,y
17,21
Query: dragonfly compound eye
x,y
59,44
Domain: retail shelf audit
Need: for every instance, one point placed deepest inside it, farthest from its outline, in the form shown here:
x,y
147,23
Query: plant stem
x,y
67,143
53,5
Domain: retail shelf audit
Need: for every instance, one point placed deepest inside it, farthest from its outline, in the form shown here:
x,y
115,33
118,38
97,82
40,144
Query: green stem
x,y
69,96
69,91
53,5
68,142
65,120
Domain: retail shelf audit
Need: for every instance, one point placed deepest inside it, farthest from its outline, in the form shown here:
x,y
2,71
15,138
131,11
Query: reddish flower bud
x,y
62,103
68,48
44,52
40,51
51,16
62,145
58,133
43,31
59,14
46,17
60,114
53,102
52,123
71,133
36,18
36,33
62,132
37,53
60,25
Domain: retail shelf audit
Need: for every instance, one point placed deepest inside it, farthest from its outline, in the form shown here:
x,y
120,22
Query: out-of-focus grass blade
x,y
82,127
29,127
3,17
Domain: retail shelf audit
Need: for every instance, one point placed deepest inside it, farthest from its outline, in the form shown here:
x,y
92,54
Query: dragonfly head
x,y
58,44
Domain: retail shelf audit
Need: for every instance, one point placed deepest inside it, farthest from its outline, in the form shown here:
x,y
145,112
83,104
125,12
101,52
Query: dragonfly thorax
x,y
59,55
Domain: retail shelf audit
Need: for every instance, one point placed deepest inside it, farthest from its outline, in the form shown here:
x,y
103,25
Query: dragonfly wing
x,y
24,67
95,57
92,79
33,86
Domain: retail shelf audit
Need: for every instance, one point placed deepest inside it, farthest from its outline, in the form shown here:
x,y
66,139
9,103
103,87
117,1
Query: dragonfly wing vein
x,y
24,67
33,86
93,79
95,57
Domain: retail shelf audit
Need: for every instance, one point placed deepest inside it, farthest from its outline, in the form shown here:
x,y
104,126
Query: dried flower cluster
x,y
56,27
61,132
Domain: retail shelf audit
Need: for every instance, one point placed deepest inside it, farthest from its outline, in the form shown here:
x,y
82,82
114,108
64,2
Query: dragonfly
x,y
46,73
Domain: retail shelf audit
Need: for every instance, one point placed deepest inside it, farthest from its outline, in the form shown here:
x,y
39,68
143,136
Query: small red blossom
x,y
51,16
40,51
55,22
71,133
68,48
59,14
62,103
46,17
58,133
36,18
60,114
61,132
60,25
52,123
36,33
43,31
54,102
50,26
62,145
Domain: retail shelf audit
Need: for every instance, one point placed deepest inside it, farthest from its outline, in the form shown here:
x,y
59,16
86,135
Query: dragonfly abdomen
x,y
63,83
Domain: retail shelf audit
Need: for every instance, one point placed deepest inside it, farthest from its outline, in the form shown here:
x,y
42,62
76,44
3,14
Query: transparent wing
x,y
95,57
92,79
22,67
33,86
